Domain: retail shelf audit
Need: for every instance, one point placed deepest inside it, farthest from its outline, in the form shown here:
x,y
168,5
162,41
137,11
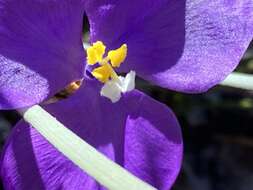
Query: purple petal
x,y
185,45
40,49
137,132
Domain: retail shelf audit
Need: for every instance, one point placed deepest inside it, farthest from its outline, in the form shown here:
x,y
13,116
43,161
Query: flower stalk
x,y
239,80
105,171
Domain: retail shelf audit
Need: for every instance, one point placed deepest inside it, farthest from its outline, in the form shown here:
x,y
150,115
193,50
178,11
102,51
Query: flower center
x,y
105,72
114,85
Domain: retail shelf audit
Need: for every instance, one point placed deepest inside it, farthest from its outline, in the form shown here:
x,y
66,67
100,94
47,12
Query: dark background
x,y
217,130
218,134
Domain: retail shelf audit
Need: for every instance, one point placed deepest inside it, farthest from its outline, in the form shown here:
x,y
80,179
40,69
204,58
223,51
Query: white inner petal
x,y
128,83
113,89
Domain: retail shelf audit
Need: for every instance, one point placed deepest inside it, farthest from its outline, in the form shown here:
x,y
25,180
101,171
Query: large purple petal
x,y
138,133
186,45
40,49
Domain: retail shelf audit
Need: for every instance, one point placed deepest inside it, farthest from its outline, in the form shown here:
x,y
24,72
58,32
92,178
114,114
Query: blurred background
x,y
217,130
218,134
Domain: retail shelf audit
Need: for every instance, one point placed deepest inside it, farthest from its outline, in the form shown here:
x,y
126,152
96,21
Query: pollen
x,y
105,71
102,73
95,53
118,56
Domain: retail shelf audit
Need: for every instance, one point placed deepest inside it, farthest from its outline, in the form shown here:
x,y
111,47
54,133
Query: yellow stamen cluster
x,y
105,72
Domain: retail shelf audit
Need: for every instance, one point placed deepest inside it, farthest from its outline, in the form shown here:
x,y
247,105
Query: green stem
x,y
239,80
105,171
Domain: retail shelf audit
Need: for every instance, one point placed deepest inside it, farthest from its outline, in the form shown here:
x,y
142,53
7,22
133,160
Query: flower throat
x,y
114,85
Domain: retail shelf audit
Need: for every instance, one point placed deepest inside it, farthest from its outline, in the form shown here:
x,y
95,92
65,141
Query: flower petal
x,y
40,49
185,45
137,132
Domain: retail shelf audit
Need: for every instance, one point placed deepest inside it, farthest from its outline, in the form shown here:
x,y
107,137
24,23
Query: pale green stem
x,y
86,45
239,80
105,171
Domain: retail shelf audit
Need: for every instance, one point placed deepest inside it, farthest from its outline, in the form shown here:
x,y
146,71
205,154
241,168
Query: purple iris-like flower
x,y
187,45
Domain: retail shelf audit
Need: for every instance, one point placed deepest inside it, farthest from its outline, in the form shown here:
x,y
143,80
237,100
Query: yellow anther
x,y
95,53
103,73
118,56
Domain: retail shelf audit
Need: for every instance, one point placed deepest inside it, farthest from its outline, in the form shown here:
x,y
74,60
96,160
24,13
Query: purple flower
x,y
186,46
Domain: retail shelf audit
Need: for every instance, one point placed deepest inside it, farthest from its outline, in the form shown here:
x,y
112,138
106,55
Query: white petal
x,y
128,83
111,90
